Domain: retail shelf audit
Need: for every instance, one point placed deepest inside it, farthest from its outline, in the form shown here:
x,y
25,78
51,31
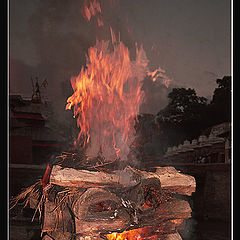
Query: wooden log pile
x,y
121,204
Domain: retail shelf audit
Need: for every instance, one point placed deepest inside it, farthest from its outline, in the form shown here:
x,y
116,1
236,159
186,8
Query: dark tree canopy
x,y
187,114
221,101
184,106
185,117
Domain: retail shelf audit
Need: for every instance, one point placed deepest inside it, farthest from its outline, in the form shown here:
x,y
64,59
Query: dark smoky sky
x,y
190,39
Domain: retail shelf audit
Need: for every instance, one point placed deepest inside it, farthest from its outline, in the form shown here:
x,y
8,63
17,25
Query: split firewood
x,y
58,234
92,237
169,210
57,219
87,221
83,178
169,215
46,237
169,177
173,236
92,196
115,200
172,180
114,223
147,191
174,209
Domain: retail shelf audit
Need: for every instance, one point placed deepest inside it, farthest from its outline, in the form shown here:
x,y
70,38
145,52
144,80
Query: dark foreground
x,y
211,201
207,230
22,228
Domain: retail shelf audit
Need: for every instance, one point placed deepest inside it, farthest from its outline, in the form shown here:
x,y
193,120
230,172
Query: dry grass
x,y
32,192
36,196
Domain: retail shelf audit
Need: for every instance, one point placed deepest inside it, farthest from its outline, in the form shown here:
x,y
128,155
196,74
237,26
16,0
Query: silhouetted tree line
x,y
187,115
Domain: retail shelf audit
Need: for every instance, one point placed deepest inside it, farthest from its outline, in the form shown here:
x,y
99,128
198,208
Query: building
x,y
214,147
34,135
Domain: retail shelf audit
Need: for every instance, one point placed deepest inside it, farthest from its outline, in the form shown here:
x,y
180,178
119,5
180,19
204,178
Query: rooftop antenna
x,y
36,96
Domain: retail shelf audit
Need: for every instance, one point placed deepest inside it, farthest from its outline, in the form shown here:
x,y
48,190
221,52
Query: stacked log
x,y
104,205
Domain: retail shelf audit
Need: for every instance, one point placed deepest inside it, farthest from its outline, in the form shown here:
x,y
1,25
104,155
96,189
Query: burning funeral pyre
x,y
95,193
110,204
120,204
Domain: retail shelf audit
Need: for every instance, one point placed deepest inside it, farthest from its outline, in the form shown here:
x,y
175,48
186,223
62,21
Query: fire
x,y
107,96
127,235
160,73
144,233
177,221
92,8
107,93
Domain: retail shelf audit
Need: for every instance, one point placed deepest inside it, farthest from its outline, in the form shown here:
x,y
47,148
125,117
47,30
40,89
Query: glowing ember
x,y
107,95
144,233
127,235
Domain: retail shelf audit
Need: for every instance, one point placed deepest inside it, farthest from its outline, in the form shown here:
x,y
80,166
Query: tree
x,y
187,115
182,117
184,105
220,105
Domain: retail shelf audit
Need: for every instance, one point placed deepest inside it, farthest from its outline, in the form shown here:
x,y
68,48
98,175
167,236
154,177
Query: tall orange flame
x,y
107,95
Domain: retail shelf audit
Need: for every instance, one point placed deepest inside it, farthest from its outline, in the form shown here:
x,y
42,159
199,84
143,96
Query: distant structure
x,y
36,93
214,147
36,96
33,133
